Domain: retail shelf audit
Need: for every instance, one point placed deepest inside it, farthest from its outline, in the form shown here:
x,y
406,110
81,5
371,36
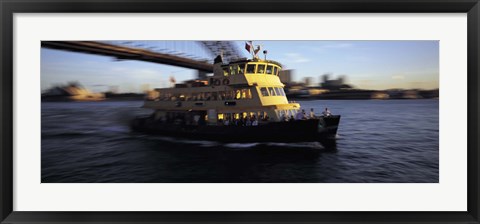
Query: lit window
x,y
238,94
246,94
269,69
251,68
225,71
264,91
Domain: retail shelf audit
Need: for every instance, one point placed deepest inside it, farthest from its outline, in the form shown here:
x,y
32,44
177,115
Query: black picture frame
x,y
10,7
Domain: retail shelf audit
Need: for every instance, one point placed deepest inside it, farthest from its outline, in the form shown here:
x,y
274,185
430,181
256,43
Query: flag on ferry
x,y
248,46
257,50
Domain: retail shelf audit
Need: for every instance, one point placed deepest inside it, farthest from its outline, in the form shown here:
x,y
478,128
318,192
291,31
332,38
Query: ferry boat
x,y
244,101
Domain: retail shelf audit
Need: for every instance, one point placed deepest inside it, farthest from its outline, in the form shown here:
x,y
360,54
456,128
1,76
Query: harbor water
x,y
389,141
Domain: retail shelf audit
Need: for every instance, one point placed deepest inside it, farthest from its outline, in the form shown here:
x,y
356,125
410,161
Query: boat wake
x,y
201,143
237,146
308,145
241,145
304,145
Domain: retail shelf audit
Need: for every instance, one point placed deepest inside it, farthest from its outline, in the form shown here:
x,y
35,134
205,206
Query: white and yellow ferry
x,y
244,101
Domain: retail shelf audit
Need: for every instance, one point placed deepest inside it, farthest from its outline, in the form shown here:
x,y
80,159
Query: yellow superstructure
x,y
238,89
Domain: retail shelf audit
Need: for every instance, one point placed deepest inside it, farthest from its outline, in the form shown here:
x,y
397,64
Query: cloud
x,y
398,77
295,58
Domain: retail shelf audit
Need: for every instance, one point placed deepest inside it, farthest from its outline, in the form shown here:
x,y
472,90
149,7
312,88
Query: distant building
x,y
403,94
334,84
71,92
308,81
286,76
380,95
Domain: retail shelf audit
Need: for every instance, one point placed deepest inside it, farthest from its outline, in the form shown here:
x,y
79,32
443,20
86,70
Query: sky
x,y
374,65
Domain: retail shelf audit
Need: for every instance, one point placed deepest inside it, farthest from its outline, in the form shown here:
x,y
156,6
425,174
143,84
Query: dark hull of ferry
x,y
321,130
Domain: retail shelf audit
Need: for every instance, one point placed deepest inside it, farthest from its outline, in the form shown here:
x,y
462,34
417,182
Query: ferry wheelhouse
x,y
244,101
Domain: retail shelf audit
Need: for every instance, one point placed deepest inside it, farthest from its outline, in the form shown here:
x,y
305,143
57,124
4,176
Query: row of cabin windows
x,y
236,94
272,91
258,115
251,69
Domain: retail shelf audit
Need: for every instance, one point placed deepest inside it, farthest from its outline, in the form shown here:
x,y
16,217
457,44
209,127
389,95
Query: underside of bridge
x,y
142,52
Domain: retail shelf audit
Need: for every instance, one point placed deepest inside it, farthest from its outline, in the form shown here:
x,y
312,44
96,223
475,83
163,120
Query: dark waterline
x,y
393,141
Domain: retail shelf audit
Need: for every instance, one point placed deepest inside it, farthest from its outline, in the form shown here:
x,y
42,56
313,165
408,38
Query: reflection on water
x,y
378,141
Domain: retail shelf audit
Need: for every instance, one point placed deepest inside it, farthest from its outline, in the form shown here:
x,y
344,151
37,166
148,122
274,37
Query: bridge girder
x,y
227,49
127,53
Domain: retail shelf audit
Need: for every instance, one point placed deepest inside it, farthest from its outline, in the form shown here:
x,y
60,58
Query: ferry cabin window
x,y
269,69
272,92
208,96
214,95
246,94
229,95
225,71
251,68
261,69
233,69
277,91
241,69
275,70
264,91
238,94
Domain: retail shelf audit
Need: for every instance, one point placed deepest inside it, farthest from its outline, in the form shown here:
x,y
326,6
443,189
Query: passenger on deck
x,y
266,118
326,112
254,122
291,118
238,122
248,121
312,114
226,122
245,121
301,115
